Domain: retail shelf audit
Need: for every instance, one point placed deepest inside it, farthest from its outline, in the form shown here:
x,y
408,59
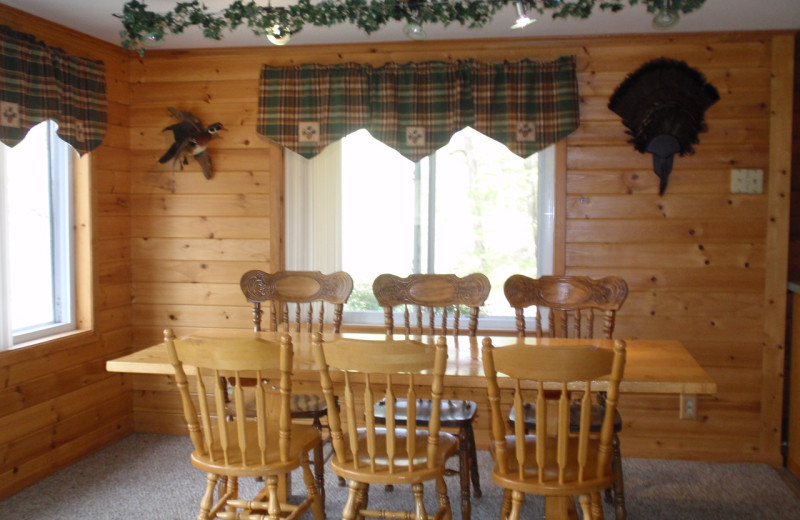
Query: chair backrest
x,y
431,294
245,362
566,458
572,302
297,297
386,369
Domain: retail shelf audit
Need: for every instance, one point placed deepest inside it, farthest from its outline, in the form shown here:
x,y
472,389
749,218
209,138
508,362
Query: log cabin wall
x,y
705,266
167,248
57,402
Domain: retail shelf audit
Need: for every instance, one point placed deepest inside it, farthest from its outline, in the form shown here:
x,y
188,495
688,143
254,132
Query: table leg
x,y
560,508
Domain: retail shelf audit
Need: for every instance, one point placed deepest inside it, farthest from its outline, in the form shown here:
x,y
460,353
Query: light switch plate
x,y
747,181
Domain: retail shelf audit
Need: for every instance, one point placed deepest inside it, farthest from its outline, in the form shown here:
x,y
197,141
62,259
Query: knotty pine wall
x,y
57,402
704,266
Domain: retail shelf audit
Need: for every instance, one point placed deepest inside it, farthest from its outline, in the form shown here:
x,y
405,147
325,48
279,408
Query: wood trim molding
x,y
777,244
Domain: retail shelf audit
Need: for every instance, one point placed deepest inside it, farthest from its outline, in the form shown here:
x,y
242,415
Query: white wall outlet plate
x,y
747,181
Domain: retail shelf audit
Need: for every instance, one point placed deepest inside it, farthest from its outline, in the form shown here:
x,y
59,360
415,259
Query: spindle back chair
x,y
263,444
554,460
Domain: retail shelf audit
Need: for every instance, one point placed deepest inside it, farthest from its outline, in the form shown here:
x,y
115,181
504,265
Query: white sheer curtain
x,y
313,210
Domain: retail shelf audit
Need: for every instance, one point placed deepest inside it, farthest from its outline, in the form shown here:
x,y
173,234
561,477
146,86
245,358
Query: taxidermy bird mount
x,y
191,139
663,104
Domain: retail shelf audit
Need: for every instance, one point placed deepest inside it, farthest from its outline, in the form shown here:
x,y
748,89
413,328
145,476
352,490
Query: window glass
x,y
473,206
37,237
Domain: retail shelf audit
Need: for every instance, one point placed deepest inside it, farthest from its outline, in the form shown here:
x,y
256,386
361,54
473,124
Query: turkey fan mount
x,y
663,105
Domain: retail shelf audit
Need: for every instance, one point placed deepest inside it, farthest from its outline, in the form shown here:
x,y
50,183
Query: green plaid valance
x,y
416,108
38,83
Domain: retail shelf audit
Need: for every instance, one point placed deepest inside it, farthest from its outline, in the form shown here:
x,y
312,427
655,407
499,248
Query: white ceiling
x,y
94,17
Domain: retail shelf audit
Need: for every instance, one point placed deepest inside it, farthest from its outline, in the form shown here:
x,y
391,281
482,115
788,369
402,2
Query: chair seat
x,y
454,413
308,406
303,406
303,439
404,471
550,484
574,417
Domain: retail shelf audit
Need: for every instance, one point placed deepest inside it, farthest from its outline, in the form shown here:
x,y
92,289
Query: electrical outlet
x,y
688,407
747,181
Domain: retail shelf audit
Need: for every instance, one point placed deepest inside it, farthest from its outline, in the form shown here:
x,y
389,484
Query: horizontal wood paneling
x,y
696,259
169,246
57,402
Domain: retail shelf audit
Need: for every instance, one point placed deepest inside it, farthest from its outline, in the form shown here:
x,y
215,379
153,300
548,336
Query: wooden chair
x,y
430,295
268,445
298,298
572,303
557,460
367,454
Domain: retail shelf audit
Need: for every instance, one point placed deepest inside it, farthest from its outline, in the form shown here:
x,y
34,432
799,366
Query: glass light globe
x,y
278,36
153,39
665,19
415,31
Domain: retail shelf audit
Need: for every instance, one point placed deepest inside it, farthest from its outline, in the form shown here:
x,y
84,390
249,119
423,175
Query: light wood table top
x,y
652,366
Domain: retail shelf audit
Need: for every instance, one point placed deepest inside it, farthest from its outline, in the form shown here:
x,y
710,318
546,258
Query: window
x,y
473,206
36,237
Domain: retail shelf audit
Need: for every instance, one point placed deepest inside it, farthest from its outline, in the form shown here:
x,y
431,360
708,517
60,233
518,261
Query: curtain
x,y
526,105
38,82
306,108
417,107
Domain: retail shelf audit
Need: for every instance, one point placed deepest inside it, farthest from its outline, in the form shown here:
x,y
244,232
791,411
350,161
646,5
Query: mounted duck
x,y
191,138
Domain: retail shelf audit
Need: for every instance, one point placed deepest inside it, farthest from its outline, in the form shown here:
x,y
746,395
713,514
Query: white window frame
x,y
61,170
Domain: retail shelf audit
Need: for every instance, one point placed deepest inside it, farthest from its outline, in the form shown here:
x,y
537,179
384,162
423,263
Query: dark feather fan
x,y
663,104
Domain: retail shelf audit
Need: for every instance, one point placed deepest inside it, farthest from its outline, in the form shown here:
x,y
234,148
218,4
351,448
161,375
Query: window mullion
x,y
431,212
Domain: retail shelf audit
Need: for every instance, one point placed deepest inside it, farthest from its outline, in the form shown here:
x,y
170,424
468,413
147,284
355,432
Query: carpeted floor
x,y
148,476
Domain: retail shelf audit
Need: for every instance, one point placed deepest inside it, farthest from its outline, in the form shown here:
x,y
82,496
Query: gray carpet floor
x,y
148,476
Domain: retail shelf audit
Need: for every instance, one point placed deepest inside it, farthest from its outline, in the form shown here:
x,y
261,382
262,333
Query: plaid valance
x,y
416,108
38,83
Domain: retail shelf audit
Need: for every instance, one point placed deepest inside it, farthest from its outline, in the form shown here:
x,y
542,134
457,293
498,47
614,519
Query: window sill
x,y
65,339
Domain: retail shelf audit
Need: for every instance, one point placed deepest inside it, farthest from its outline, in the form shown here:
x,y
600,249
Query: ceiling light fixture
x,y
415,31
522,17
140,24
277,35
666,17
410,11
153,39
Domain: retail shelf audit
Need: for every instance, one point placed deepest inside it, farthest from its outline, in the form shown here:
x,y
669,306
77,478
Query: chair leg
x,y
596,510
464,467
228,489
618,484
319,462
319,470
516,504
473,456
351,506
317,498
363,498
274,507
586,506
419,505
505,507
208,497
445,511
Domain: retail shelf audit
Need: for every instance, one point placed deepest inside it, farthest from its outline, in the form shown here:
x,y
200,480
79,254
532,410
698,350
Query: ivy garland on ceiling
x,y
143,27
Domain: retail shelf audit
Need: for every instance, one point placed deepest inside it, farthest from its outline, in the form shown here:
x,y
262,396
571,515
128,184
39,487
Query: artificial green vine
x,y
142,25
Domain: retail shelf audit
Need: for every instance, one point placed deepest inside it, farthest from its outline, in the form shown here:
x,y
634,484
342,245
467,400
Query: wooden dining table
x,y
652,367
